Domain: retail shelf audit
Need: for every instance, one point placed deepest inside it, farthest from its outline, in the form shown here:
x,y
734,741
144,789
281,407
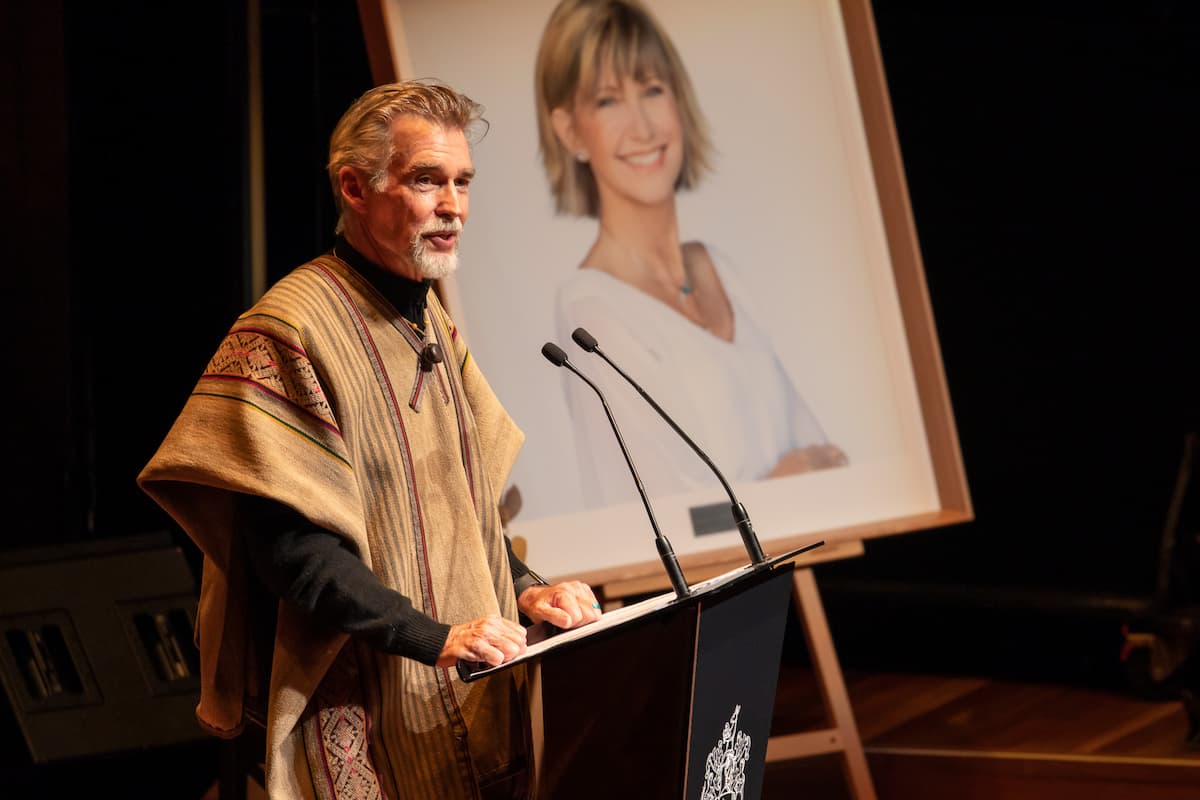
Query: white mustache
x,y
442,227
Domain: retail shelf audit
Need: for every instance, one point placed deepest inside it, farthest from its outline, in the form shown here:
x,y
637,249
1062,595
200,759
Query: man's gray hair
x,y
363,136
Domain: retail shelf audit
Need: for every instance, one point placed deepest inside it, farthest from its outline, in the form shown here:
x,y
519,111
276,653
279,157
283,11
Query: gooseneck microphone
x,y
740,515
555,355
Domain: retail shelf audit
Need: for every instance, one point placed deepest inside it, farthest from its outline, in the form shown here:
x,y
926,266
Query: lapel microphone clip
x,y
430,354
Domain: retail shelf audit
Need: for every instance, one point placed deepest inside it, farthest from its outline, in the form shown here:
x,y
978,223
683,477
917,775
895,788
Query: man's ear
x,y
564,129
353,188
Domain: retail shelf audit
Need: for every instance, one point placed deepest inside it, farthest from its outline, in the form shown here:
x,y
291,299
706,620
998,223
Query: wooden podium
x,y
669,697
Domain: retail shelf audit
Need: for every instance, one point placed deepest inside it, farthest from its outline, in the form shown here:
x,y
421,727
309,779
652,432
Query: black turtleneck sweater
x,y
317,571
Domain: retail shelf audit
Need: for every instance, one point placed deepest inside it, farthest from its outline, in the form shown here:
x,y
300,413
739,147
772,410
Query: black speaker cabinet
x,y
96,646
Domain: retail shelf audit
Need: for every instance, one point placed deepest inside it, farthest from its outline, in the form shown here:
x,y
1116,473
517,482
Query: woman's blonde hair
x,y
580,39
363,136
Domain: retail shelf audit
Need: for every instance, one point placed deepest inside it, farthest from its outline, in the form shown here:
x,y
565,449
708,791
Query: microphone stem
x,y
740,516
665,551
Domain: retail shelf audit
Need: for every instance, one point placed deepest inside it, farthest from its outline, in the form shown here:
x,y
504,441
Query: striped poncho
x,y
316,399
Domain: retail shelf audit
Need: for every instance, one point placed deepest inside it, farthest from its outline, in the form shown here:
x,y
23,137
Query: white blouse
x,y
732,398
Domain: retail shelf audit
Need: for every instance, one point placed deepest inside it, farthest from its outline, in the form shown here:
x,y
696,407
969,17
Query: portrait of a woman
x,y
620,134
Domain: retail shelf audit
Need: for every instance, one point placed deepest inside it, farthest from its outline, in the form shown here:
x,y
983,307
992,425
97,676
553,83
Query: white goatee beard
x,y
435,265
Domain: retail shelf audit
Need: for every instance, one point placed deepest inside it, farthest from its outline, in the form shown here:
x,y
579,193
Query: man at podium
x,y
342,457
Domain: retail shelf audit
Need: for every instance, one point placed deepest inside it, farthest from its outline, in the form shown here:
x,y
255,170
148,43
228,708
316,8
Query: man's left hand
x,y
563,605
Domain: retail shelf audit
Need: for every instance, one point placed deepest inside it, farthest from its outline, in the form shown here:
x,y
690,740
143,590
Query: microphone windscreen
x,y
554,354
585,340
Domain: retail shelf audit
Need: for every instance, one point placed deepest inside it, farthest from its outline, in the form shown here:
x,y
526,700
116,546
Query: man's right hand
x,y
490,640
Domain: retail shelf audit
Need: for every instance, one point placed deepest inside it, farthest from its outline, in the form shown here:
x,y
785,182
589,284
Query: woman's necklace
x,y
650,285
686,289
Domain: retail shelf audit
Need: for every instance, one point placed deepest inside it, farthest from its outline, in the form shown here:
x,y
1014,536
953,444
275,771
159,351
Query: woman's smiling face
x,y
630,133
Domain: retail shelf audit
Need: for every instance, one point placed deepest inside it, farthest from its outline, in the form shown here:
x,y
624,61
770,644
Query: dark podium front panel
x,y
616,711
669,698
740,642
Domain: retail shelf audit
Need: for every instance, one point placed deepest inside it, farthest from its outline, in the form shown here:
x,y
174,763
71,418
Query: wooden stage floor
x,y
956,737
926,737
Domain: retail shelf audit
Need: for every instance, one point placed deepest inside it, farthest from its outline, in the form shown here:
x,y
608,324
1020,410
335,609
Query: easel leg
x,y
833,685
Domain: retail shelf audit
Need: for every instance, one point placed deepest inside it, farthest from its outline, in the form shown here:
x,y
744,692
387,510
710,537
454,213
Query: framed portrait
x,y
804,214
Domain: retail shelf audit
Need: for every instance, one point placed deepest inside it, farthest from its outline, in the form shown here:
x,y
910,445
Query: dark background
x,y
1050,151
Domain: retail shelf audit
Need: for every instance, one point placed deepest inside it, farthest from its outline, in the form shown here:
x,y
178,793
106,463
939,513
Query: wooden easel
x,y
842,735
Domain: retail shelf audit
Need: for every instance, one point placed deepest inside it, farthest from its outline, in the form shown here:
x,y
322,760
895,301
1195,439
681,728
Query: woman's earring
x,y
581,157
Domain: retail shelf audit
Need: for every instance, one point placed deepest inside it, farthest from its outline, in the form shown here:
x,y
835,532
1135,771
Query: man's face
x,y
413,223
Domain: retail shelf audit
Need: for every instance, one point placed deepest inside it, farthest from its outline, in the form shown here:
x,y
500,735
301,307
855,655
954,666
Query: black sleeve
x,y
316,571
523,577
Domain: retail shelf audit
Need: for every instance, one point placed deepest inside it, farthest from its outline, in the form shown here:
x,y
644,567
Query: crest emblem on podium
x,y
725,768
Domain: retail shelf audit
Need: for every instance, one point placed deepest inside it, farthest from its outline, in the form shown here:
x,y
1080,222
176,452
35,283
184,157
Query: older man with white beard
x,y
341,458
